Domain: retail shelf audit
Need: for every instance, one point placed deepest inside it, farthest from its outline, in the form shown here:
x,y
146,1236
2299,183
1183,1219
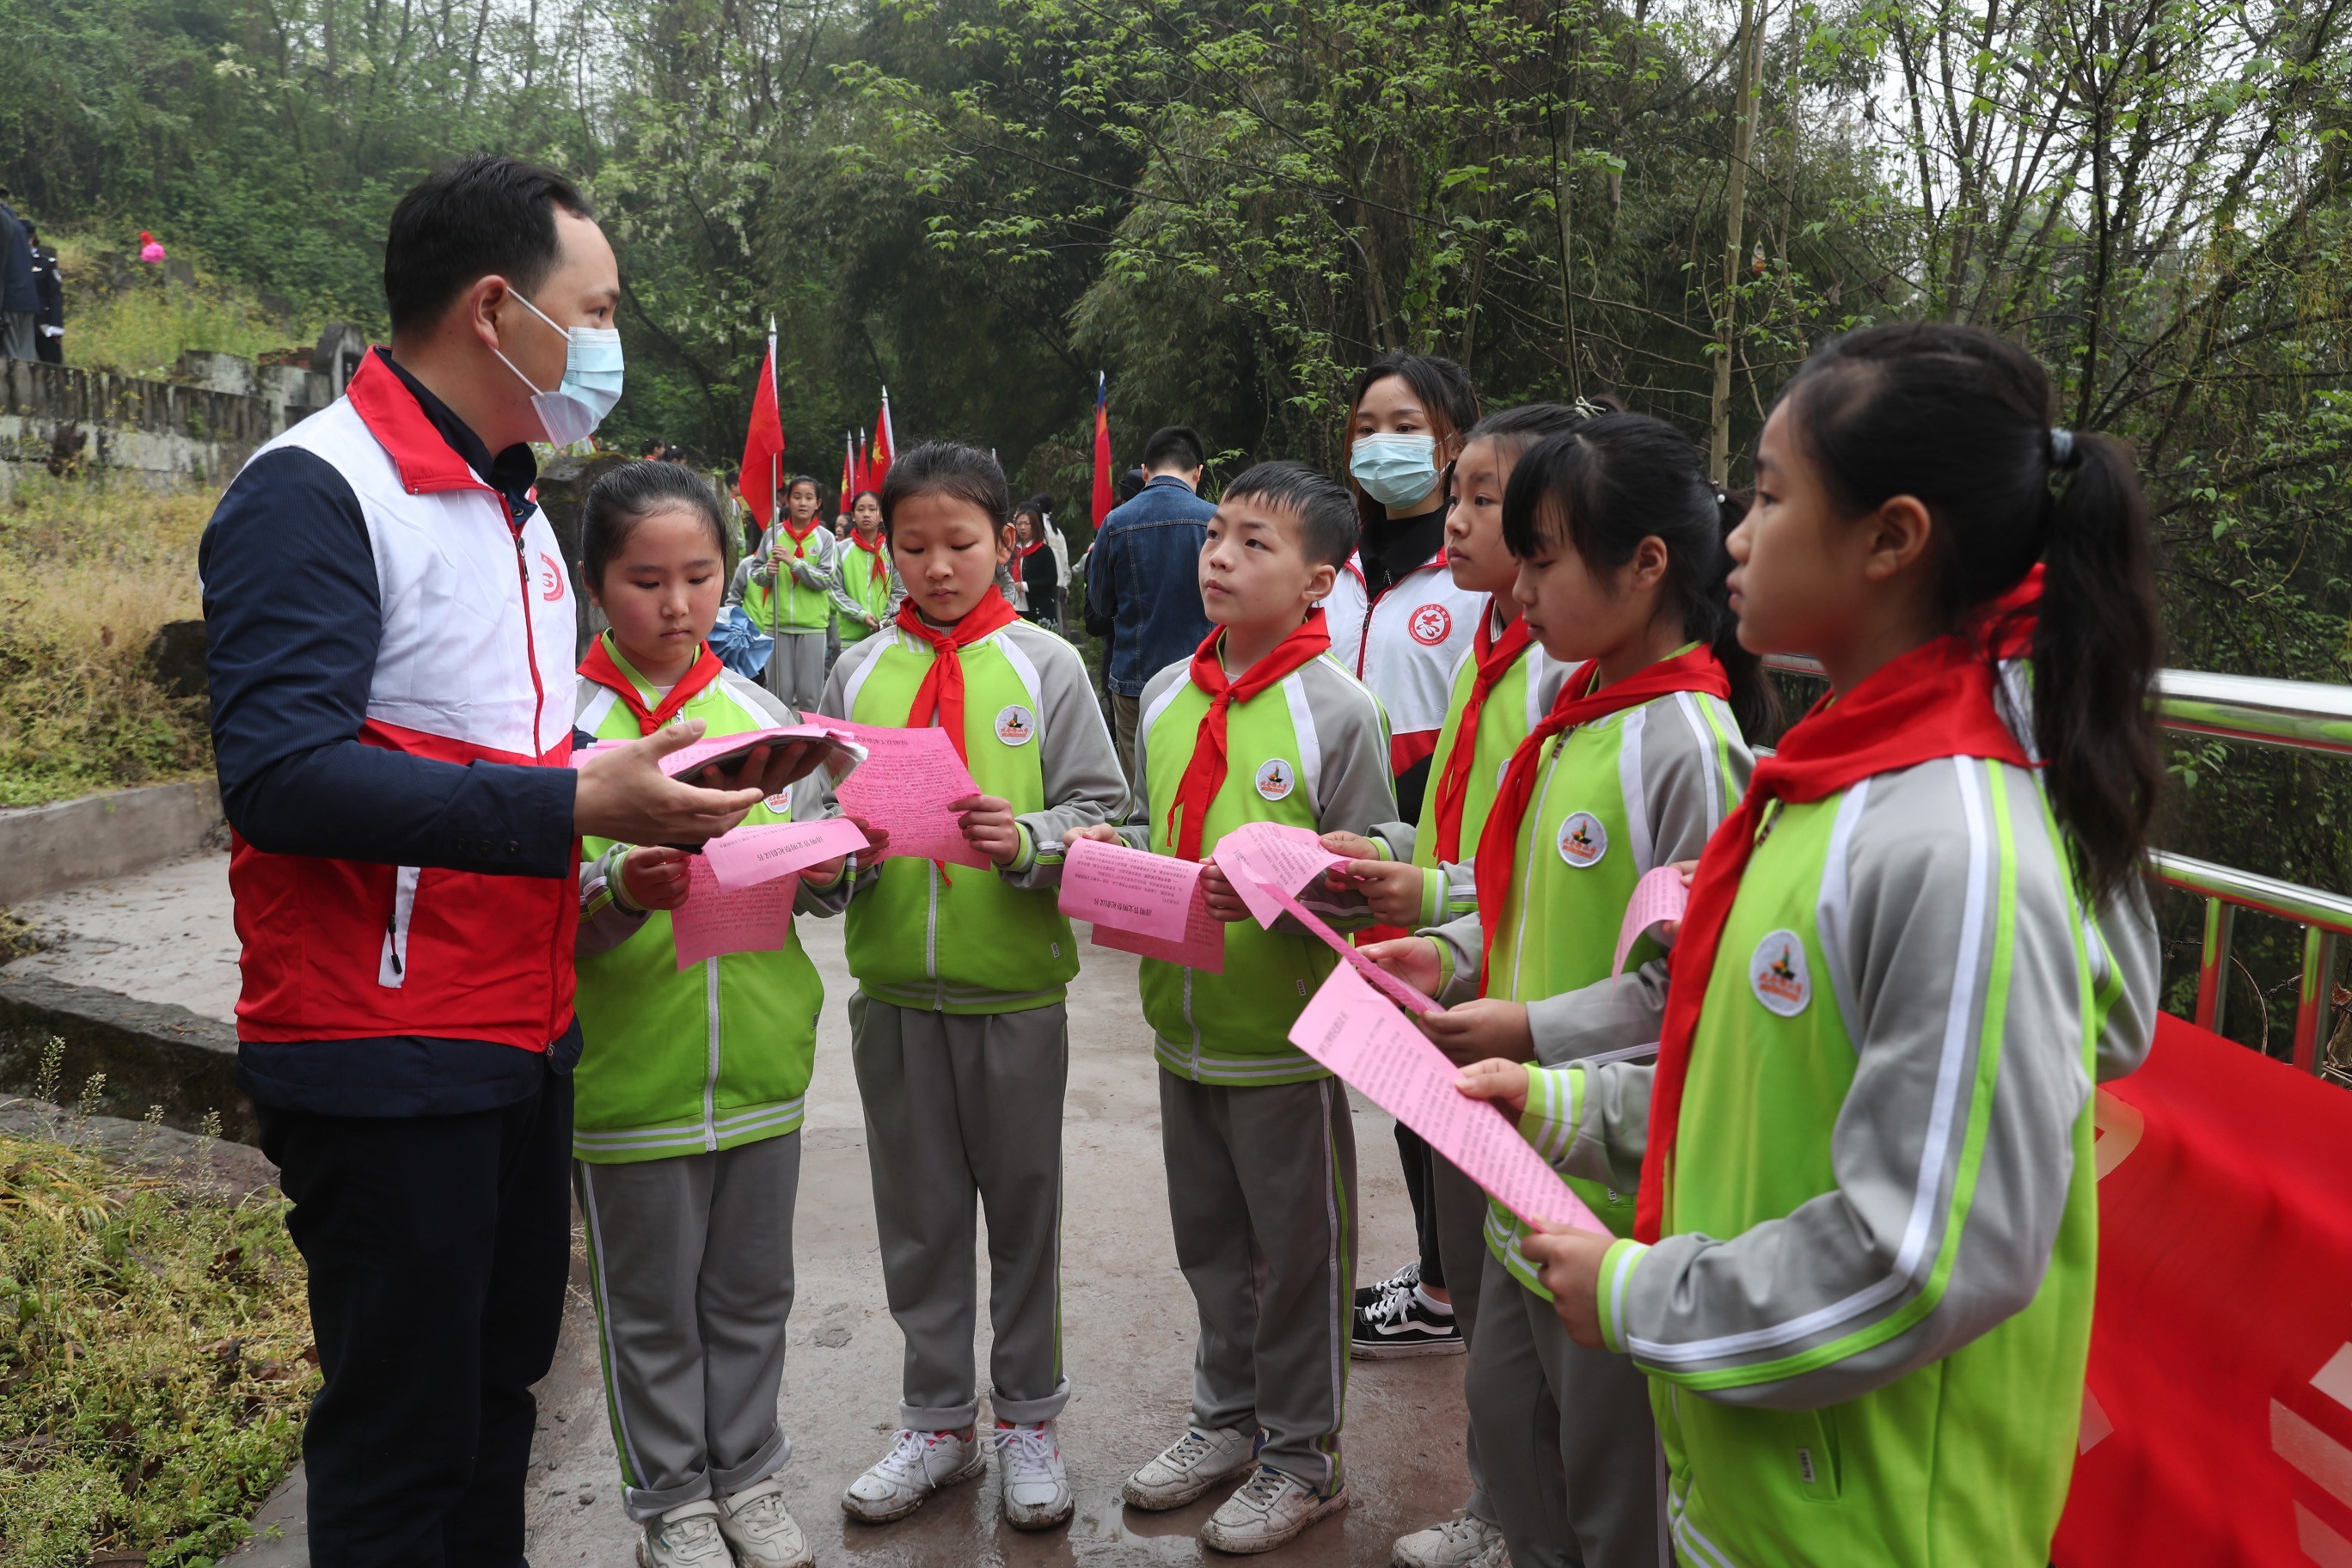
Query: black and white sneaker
x,y
1401,1323
1404,1278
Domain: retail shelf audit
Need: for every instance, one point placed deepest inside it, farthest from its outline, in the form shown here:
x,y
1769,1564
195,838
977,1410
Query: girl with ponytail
x,y
1619,541
1865,1236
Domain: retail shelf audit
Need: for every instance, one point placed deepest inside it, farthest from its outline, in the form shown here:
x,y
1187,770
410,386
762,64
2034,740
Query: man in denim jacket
x,y
1143,587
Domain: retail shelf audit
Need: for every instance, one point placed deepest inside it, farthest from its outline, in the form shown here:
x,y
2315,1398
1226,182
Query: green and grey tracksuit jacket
x,y
784,592
1516,705
965,940
1618,797
862,592
718,1055
1311,752
1867,1322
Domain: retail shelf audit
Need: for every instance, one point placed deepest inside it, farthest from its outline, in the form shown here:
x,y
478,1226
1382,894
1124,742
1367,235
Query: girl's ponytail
x,y
2096,646
1960,420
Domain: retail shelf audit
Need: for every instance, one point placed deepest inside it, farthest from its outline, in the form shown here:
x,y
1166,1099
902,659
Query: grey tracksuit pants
x,y
965,1109
1262,1188
1569,1445
1462,1243
690,1258
795,669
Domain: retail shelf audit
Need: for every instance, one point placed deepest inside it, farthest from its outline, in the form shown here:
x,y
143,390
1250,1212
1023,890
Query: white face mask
x,y
590,383
1395,471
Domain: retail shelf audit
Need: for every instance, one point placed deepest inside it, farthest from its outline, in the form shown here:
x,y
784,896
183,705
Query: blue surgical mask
x,y
590,383
1395,471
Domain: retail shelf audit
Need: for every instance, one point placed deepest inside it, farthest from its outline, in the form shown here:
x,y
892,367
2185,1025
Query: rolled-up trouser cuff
x,y
1027,1411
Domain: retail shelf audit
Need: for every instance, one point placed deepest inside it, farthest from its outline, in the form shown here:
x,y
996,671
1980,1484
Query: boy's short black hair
x,y
948,467
626,496
1174,447
485,214
1326,511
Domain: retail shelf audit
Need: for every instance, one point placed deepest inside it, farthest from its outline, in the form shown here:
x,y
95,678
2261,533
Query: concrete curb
x,y
52,847
152,1053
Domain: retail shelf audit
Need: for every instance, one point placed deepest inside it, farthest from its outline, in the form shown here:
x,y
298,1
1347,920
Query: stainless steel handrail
x,y
2301,716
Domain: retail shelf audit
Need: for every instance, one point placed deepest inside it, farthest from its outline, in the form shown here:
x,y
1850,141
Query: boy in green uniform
x,y
960,1040
1262,725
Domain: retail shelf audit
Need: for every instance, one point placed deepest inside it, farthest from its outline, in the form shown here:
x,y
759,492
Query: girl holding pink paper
x,y
689,1093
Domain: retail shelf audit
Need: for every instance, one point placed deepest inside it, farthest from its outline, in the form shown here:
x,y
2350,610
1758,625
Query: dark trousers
x,y
438,1247
1419,1162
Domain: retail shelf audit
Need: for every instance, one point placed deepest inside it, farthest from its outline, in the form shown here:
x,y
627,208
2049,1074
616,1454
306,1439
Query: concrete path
x,y
164,935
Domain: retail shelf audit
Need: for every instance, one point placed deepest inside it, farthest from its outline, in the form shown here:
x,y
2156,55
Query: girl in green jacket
x,y
687,1128
1860,1278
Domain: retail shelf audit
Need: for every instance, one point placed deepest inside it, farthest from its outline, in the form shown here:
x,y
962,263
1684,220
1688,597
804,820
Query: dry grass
x,y
154,1360
89,570
144,330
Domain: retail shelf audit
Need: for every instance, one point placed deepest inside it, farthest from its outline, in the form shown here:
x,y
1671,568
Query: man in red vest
x,y
391,631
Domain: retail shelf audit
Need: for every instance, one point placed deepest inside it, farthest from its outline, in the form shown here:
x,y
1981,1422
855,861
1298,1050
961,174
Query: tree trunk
x,y
1735,201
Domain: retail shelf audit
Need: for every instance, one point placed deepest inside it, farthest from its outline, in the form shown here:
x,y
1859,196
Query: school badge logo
x,y
1431,625
1582,840
550,578
1015,725
1276,779
1778,975
781,802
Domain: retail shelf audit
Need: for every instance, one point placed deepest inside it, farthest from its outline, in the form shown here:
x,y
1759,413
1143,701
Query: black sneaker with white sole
x,y
1400,1324
1404,1278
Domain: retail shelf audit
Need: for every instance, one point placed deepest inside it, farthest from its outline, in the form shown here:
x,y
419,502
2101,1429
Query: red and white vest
x,y
475,664
1404,645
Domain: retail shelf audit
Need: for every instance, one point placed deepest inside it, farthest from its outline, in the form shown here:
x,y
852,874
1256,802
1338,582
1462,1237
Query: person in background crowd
x,y
655,450
1036,566
20,301
150,249
48,284
1130,485
1401,624
1143,580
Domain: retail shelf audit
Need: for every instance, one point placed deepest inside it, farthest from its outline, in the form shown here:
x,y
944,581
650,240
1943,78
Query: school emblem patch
x,y
1016,724
781,802
1582,840
551,577
1431,625
1778,975
1276,779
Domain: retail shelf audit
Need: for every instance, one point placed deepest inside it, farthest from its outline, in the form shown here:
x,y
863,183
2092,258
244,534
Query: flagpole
x,y
774,458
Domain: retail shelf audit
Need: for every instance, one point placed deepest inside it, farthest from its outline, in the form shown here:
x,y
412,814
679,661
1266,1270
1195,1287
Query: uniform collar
x,y
433,448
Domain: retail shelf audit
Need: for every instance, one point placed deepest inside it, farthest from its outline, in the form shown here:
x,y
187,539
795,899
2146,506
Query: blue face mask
x,y
1395,471
590,383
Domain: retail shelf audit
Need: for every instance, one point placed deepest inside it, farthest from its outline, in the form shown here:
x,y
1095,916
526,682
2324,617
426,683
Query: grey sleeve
x,y
604,923
1694,768
2127,969
737,583
1592,1121
1952,1154
1354,789
1083,782
836,585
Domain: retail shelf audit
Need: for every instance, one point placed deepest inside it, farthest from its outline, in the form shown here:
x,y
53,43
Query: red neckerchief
x,y
1935,701
941,693
1205,775
800,537
1695,669
881,568
2007,622
599,667
1032,549
1493,658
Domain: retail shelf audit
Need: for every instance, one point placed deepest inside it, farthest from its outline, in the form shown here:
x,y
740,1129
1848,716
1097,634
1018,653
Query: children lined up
x,y
1846,1309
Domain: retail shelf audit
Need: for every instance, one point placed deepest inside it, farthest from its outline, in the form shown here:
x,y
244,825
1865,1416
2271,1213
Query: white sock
x,y
1432,1304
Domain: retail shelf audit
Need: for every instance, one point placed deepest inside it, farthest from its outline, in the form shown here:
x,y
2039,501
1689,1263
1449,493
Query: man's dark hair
x,y
486,215
1326,512
1174,447
951,468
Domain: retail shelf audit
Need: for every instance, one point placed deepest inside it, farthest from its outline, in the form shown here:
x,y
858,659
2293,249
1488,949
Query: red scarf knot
x,y
941,694
600,668
1205,775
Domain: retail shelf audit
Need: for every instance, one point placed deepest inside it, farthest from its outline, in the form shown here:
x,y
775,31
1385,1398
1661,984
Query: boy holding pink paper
x,y
686,1139
1261,726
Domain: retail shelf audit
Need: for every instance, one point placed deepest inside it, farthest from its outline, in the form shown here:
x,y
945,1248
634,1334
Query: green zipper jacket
x,y
1616,798
1867,1322
1516,705
968,940
1311,752
785,592
861,592
718,1055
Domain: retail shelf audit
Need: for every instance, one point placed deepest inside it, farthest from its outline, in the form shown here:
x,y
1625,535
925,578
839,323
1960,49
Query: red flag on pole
x,y
865,480
848,471
1103,493
763,443
886,443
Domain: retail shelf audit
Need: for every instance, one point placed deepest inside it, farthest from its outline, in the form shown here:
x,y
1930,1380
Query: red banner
x,y
763,443
2217,1428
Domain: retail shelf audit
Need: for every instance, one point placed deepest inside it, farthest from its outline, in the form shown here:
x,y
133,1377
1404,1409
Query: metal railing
x,y
2295,715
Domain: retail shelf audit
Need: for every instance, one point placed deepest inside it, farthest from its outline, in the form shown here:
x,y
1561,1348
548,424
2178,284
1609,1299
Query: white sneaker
x,y
1271,1508
1033,1483
686,1537
762,1532
1464,1542
1189,1467
918,1464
